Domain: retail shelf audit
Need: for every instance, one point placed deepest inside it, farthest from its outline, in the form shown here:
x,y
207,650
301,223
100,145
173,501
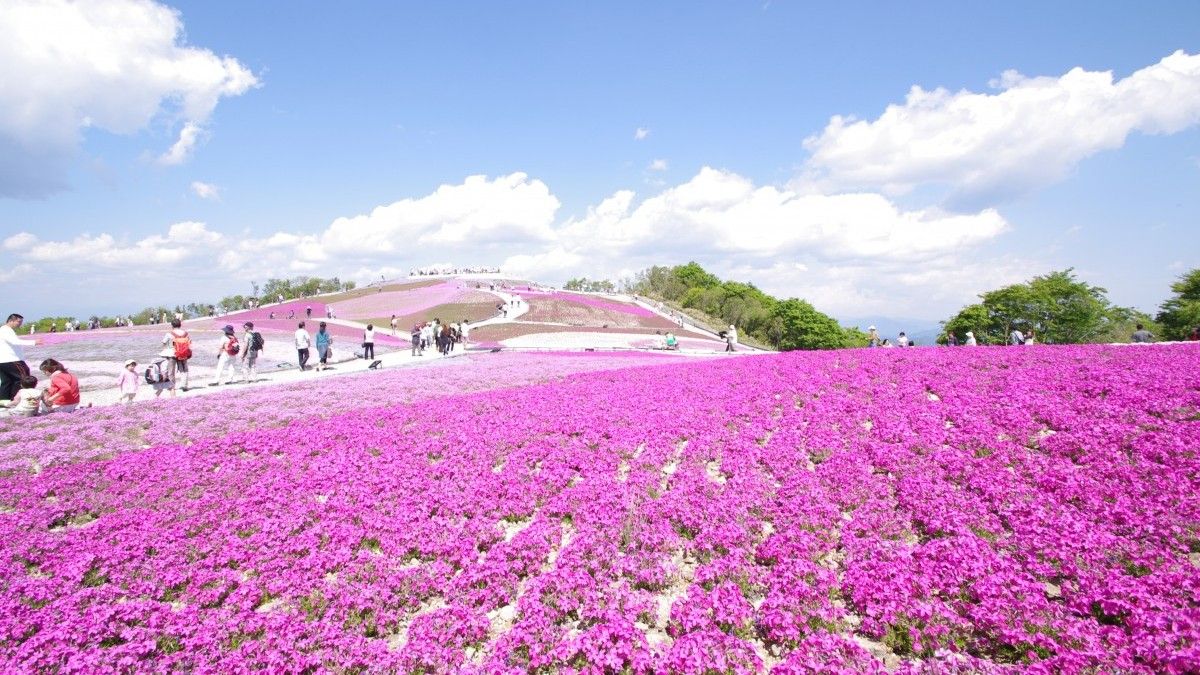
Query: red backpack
x,y
232,347
183,344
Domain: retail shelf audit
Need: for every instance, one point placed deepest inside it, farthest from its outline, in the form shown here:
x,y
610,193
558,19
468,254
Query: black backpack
x,y
256,342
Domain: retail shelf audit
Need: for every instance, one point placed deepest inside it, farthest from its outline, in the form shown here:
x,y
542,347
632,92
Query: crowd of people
x,y
436,270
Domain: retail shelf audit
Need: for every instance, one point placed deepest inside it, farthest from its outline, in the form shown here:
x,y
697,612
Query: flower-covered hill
x,y
927,510
578,309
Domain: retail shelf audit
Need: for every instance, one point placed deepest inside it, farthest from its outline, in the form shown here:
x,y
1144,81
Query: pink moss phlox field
x,y
598,303
923,510
402,302
28,445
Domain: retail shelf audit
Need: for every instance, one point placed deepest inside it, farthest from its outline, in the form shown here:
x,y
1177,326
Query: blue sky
x,y
604,138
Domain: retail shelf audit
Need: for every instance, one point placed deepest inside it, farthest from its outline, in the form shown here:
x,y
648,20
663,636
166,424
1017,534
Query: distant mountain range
x,y
924,331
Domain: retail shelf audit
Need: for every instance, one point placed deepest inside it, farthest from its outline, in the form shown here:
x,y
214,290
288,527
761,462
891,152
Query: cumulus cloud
x,y
641,134
837,250
724,212
115,65
19,241
987,146
183,241
182,149
658,165
206,190
479,211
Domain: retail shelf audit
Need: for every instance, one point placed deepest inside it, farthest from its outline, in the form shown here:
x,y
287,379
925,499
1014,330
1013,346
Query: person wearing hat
x,y
128,382
226,352
970,341
873,337
731,339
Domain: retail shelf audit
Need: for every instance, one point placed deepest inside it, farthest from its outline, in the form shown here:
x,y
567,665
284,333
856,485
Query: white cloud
x,y
641,134
658,165
843,252
987,146
478,211
723,212
16,273
19,241
182,149
206,190
183,241
115,65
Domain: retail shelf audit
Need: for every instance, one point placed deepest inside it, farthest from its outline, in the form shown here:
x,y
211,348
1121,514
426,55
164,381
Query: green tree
x,y
692,275
1180,314
801,326
1059,307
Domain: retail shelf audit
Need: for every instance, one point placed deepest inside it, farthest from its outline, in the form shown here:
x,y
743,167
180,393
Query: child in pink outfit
x,y
128,382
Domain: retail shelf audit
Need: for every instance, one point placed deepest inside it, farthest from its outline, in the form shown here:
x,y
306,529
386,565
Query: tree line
x,y
784,324
1062,309
290,289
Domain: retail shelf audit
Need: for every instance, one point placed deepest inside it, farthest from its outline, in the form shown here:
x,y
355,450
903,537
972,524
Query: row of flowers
x,y
920,510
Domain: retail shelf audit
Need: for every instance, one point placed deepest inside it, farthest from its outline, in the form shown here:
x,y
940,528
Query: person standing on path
x,y
369,342
12,357
415,334
177,349
1142,335
303,342
226,354
730,339
253,345
1016,337
324,341
394,325
128,382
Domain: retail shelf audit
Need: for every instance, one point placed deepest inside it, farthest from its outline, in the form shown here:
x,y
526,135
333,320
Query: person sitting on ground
x,y
902,340
28,399
672,343
1142,335
63,393
886,343
128,381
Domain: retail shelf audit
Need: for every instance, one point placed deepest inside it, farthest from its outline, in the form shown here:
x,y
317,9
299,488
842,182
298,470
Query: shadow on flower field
x,y
928,510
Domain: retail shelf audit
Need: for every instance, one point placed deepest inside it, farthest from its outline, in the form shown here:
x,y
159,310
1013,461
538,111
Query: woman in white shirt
x,y
368,344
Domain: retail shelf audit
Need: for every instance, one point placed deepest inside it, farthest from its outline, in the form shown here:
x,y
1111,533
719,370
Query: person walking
x,y
730,339
303,342
12,357
415,335
324,346
369,342
226,353
253,342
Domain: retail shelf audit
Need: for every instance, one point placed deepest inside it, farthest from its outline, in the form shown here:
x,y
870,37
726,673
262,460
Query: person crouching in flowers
x,y
28,400
128,382
63,393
